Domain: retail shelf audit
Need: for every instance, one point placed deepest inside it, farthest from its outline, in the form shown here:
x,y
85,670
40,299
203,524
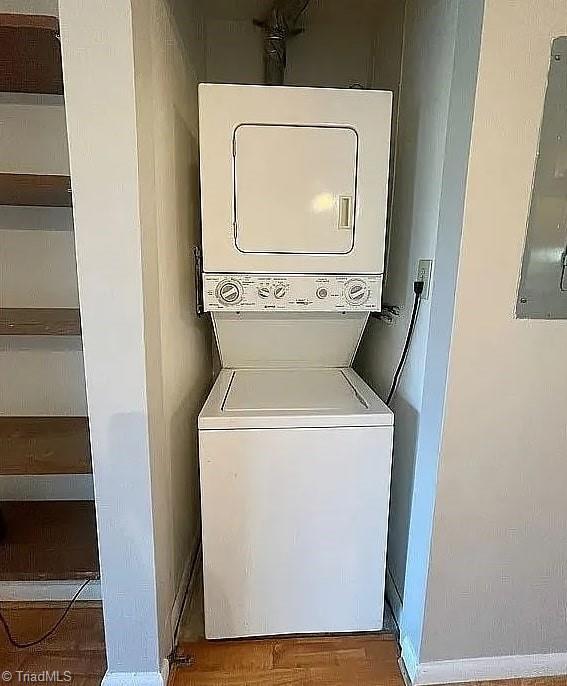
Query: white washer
x,y
295,477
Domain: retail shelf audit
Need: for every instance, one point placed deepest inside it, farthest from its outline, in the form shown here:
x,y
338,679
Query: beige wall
x,y
188,16
430,30
498,573
33,135
439,70
178,344
40,379
339,47
37,268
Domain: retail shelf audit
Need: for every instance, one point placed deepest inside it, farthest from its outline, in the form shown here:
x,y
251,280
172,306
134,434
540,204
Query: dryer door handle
x,y
345,212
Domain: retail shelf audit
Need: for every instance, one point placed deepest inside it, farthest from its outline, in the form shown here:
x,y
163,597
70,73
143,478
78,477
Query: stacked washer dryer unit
x,y
295,449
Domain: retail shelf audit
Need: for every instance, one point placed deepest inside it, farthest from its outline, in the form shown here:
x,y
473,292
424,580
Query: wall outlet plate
x,y
424,271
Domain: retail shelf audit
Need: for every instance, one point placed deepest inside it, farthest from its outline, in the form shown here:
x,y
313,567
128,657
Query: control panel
x,y
293,293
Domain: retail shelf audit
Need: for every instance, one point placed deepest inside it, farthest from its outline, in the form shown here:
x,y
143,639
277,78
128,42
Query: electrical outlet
x,y
424,271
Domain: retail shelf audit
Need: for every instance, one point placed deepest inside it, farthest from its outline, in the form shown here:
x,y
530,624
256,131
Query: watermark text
x,y
43,677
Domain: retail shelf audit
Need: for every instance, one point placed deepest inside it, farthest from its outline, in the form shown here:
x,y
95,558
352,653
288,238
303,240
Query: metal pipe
x,y
278,27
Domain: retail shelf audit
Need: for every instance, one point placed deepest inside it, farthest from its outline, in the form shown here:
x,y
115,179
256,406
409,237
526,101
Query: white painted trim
x,y
186,586
489,668
393,597
409,659
134,679
404,672
47,591
179,601
165,671
138,678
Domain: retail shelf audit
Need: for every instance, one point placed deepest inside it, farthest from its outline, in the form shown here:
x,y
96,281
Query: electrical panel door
x,y
542,293
295,189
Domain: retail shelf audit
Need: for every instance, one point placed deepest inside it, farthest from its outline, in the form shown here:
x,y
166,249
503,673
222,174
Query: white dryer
x,y
293,180
295,467
295,449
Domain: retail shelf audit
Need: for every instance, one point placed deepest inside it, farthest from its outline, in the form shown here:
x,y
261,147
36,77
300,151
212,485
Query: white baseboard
x,y
409,658
134,679
404,672
393,597
486,668
47,591
138,678
164,672
185,588
183,592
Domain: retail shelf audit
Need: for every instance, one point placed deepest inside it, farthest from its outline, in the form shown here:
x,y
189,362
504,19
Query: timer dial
x,y
229,292
357,292
279,291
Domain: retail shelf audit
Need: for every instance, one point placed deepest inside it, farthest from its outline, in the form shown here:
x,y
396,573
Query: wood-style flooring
x,y
77,648
364,660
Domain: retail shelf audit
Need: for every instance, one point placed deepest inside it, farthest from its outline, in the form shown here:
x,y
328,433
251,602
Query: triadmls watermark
x,y
44,677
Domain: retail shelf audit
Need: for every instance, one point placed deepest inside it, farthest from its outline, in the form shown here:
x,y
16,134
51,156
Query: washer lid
x,y
282,398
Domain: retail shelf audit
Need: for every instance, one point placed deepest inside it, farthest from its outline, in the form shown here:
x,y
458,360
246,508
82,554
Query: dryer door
x,y
295,189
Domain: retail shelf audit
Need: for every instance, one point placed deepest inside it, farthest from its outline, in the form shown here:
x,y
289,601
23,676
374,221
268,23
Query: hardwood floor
x,y
365,660
77,648
362,660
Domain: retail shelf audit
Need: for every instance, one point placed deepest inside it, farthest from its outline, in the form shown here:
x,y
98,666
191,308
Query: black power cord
x,y
418,287
29,644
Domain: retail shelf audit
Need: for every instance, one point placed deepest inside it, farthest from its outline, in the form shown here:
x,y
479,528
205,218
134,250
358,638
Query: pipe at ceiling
x,y
279,26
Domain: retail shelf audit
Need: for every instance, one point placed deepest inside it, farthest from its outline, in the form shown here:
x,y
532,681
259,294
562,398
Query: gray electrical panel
x,y
542,292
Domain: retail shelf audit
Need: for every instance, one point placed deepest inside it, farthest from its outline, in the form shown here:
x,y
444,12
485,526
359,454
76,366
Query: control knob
x,y
264,292
279,291
357,292
229,292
